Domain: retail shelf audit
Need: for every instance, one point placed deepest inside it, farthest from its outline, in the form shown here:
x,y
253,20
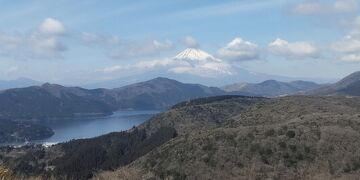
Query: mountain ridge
x,y
56,101
271,88
348,86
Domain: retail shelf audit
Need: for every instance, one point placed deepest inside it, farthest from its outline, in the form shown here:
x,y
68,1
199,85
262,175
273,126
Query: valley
x,y
51,103
224,136
289,137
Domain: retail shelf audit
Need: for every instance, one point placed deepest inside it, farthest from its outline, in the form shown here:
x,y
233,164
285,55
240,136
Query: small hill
x,y
159,93
271,88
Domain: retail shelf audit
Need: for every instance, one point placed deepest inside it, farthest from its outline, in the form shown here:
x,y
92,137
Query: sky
x,y
86,41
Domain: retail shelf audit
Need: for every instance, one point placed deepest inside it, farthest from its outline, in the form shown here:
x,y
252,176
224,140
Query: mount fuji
x,y
193,66
199,63
193,54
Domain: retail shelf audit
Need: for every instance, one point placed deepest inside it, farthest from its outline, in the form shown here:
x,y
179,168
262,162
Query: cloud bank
x,y
294,50
239,50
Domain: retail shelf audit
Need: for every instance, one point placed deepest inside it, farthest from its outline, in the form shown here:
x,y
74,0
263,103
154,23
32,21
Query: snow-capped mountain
x,y
191,66
196,55
199,63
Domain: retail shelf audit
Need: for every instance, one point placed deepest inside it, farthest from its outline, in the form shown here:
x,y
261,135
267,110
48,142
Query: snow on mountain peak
x,y
198,62
195,54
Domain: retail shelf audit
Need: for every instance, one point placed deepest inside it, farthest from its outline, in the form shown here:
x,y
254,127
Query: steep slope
x,y
348,86
285,138
271,88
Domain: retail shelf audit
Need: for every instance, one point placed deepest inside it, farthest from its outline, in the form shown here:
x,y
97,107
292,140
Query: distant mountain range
x,y
50,101
271,88
18,83
348,86
56,101
192,60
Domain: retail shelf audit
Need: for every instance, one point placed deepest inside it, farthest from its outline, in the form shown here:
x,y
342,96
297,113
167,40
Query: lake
x,y
79,128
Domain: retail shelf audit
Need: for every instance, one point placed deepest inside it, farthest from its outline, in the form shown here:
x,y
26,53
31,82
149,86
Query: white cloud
x,y
157,45
112,69
210,69
198,68
347,45
348,48
313,7
149,64
51,26
190,42
157,63
223,9
307,8
46,46
97,39
295,50
11,70
345,6
140,49
45,43
118,48
239,50
355,32
9,43
351,57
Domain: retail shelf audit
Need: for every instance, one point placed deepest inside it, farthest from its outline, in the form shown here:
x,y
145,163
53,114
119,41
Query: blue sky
x,y
74,42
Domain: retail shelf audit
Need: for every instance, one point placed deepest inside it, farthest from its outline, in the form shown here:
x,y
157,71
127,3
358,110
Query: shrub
x,y
290,134
270,132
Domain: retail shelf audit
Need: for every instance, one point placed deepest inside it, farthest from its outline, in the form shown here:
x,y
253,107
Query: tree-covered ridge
x,y
79,159
51,101
22,131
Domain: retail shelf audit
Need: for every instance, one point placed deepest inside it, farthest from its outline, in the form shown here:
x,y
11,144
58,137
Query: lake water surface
x,y
80,128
